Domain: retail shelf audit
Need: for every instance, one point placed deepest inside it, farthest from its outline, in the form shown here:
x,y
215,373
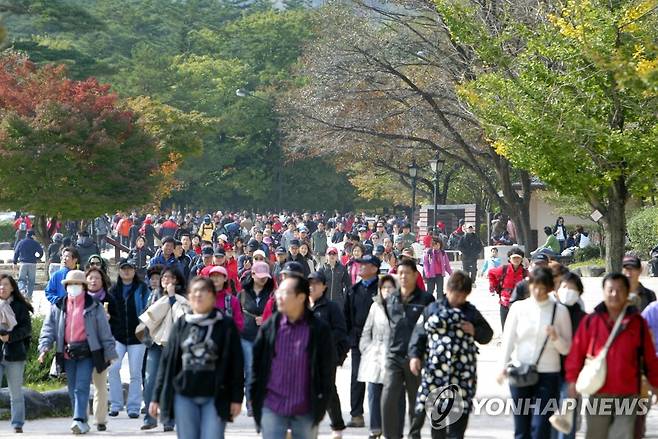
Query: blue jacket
x,y
171,262
55,290
26,251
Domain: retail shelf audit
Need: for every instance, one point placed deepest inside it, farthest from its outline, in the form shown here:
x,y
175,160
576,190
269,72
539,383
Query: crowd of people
x,y
215,309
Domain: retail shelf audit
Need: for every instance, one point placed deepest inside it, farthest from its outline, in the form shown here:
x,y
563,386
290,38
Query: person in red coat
x,y
631,352
503,279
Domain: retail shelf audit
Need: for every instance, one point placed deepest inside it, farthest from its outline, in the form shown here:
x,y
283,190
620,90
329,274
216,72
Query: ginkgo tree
x,y
576,103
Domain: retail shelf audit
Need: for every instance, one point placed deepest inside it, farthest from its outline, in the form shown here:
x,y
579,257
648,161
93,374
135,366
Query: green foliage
x,y
643,230
7,232
36,373
588,253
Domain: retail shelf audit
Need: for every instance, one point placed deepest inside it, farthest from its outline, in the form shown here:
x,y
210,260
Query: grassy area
x,y
46,386
592,262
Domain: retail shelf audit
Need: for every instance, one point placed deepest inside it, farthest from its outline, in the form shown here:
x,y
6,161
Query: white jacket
x,y
159,318
374,345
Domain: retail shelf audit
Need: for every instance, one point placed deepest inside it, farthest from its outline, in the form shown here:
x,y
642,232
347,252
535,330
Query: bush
x,y
643,231
589,253
36,373
7,232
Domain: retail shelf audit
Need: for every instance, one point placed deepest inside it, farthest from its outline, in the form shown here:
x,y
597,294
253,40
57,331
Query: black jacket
x,y
329,312
470,246
126,312
302,260
402,318
418,342
86,247
338,282
357,305
322,361
229,379
251,309
140,256
19,338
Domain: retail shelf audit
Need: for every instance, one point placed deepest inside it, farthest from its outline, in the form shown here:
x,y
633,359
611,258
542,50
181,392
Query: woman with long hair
x,y
358,250
15,332
306,253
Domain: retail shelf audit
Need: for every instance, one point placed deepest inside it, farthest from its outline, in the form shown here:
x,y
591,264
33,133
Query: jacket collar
x,y
602,309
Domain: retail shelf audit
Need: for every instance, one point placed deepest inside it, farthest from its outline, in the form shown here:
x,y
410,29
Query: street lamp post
x,y
413,173
437,166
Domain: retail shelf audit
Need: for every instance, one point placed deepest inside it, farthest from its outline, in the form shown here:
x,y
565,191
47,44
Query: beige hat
x,y
75,276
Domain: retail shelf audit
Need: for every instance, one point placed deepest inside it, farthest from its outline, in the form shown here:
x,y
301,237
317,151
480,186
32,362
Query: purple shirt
x,y
289,386
650,314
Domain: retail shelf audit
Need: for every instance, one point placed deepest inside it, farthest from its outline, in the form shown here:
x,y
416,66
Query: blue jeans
x,y
274,426
135,362
197,418
534,425
27,276
78,376
247,354
14,372
153,355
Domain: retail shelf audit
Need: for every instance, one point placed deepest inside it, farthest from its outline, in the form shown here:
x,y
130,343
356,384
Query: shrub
x,y
643,230
589,253
7,232
36,373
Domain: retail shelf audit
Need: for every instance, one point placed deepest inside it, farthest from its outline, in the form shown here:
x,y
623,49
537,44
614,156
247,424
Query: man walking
x,y
403,307
319,244
293,366
338,279
357,307
26,254
470,246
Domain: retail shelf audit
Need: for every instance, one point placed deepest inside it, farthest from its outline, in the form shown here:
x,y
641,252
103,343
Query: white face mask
x,y
74,290
568,296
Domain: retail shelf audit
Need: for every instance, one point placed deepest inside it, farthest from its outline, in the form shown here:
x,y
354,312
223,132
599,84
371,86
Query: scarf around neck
x,y
7,316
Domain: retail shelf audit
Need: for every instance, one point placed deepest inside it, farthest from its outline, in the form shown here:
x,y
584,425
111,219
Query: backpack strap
x,y
502,279
228,310
546,339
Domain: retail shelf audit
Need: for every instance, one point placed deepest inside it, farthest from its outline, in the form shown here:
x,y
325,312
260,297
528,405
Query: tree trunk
x,y
614,224
41,228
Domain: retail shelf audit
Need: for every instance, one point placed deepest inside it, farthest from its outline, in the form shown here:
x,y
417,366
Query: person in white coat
x,y
373,346
537,331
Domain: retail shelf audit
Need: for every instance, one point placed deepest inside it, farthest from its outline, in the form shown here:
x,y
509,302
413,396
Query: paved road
x,y
479,426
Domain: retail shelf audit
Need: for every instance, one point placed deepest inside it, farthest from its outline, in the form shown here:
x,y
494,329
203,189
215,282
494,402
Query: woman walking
x,y
79,329
435,267
15,332
537,332
201,377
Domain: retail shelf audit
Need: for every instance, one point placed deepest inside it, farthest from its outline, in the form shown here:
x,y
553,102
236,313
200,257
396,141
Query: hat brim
x,y
127,265
74,281
262,275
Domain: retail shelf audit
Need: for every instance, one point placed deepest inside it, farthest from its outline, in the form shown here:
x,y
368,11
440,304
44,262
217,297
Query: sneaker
x,y
85,428
148,426
337,434
356,422
78,427
133,415
113,413
18,429
168,428
101,427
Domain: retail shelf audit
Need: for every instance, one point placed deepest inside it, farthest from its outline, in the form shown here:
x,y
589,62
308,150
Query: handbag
x,y
593,374
524,374
78,350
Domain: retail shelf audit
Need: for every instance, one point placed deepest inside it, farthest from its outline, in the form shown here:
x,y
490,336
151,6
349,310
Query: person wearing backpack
x,y
503,279
227,302
538,331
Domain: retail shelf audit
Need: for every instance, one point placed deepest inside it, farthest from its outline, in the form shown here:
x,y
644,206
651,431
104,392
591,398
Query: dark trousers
x,y
533,424
397,381
470,266
452,431
357,389
334,411
504,310
435,284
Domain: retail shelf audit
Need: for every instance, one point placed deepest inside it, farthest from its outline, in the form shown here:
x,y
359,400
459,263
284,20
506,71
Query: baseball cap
x,y
540,257
261,270
632,261
332,251
253,245
125,262
379,249
295,243
316,275
303,229
260,253
293,269
370,259
281,251
408,252
207,251
218,269
223,237
267,240
362,229
219,251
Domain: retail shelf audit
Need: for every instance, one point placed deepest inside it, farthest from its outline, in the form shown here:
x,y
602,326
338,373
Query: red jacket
x,y
512,277
236,310
623,371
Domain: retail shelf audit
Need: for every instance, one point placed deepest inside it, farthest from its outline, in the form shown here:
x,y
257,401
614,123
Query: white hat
x,y
223,237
